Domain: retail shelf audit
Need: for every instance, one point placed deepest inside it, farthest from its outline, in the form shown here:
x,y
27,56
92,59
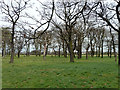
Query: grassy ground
x,y
55,72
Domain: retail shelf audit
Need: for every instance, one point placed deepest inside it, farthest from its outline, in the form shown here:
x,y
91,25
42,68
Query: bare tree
x,y
44,19
113,44
46,38
68,13
12,12
105,14
19,42
60,40
6,37
80,30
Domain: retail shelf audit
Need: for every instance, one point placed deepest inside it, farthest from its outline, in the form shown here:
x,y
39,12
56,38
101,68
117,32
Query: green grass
x,y
55,72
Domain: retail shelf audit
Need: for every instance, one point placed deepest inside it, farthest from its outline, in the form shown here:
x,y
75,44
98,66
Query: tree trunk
x,y
59,50
102,50
119,47
36,48
80,51
113,44
108,48
118,16
79,48
45,47
18,54
92,51
71,51
115,55
87,51
12,52
63,46
46,52
99,52
65,53
12,44
96,50
54,51
108,52
4,50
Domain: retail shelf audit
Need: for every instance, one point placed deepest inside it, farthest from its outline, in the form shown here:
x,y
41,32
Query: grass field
x,y
55,72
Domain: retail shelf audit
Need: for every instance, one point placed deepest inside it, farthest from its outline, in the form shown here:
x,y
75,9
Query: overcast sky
x,y
36,4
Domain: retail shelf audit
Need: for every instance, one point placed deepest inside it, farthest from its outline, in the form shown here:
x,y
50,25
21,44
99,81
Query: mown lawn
x,y
55,72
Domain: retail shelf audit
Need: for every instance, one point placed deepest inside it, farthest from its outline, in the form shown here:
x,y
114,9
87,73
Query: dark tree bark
x,y
102,42
59,50
18,54
119,46
3,49
28,49
63,47
87,51
110,49
102,50
81,50
65,53
99,51
96,50
118,16
92,51
114,50
71,51
12,43
3,52
113,44
70,46
46,51
78,48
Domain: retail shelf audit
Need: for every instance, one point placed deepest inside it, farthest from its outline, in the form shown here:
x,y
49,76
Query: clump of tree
x,y
73,27
6,38
12,12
